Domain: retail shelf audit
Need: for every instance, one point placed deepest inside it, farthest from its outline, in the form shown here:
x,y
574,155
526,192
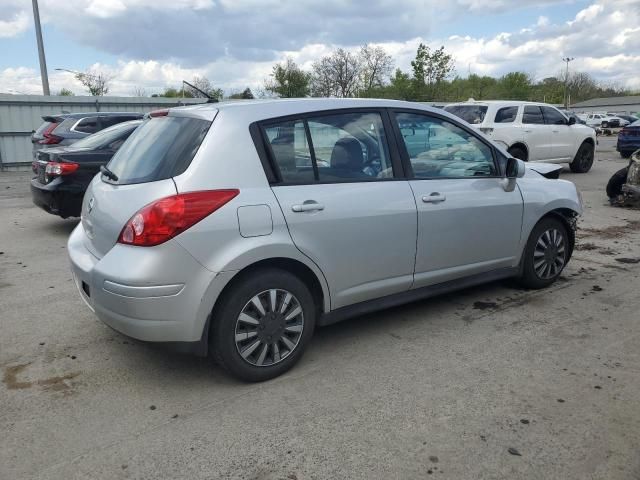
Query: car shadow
x,y
422,314
58,227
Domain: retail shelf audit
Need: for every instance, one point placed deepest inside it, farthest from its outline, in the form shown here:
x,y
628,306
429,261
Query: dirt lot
x,y
491,382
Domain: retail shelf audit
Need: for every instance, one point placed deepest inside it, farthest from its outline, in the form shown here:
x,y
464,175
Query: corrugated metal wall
x,y
21,114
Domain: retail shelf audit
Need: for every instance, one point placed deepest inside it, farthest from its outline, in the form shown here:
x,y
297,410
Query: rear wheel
x,y
262,325
583,160
546,254
614,186
605,125
519,153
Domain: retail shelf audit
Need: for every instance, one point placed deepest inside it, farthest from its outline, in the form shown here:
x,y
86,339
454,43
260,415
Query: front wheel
x,y
262,325
546,254
583,160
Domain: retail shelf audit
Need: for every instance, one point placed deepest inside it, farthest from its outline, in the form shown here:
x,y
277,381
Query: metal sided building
x,y
20,115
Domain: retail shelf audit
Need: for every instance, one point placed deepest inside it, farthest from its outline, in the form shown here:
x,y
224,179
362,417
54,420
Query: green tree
x,y
430,70
246,94
65,92
287,80
96,83
401,86
515,86
171,92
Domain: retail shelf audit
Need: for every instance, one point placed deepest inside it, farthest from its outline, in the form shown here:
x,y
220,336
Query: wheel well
x,y
589,141
521,146
568,218
295,267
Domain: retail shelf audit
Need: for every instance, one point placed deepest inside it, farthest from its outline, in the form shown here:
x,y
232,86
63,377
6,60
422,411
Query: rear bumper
x,y
56,199
156,294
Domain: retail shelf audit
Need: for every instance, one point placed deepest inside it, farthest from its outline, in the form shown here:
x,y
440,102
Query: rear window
x,y
473,114
160,148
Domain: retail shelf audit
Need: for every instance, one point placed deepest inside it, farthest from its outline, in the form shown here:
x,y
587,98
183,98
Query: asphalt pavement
x,y
488,383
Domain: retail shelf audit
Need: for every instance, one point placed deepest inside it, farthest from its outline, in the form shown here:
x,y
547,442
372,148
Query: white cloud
x,y
16,24
604,37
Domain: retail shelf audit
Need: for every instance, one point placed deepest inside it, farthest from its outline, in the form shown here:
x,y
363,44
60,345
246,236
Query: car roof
x,y
498,102
271,108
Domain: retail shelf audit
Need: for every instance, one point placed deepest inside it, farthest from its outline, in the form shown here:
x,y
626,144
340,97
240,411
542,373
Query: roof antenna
x,y
210,99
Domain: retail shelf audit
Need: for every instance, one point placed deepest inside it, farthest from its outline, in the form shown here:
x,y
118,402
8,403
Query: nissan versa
x,y
238,228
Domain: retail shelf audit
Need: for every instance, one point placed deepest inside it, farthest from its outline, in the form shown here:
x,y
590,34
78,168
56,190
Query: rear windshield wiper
x,y
108,173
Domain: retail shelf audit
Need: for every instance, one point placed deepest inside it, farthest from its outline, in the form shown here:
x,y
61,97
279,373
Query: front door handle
x,y
435,197
527,131
308,206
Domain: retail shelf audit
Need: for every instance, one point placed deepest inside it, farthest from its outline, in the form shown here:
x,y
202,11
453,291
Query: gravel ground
x,y
491,382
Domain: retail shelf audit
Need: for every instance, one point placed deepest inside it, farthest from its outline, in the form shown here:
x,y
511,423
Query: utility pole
x,y
43,61
566,82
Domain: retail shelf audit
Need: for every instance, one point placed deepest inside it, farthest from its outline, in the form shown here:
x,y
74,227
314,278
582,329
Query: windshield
x,y
160,148
105,137
473,114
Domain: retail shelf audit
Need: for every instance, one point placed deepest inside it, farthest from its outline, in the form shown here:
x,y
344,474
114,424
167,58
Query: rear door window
x,y
160,148
506,115
344,147
532,115
290,150
473,114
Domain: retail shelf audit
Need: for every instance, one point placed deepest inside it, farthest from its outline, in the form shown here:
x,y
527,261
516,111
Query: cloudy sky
x,y
151,44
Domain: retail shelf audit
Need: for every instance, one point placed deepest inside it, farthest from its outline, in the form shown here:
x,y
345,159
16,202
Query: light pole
x,y
566,81
43,61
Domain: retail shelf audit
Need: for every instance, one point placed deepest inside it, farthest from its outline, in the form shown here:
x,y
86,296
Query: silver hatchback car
x,y
237,228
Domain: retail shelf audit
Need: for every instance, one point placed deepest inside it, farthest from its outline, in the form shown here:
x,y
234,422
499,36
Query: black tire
x,y
614,186
225,320
519,153
583,160
530,276
605,125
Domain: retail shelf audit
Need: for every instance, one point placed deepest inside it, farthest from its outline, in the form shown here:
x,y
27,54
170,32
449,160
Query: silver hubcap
x,y
269,327
549,254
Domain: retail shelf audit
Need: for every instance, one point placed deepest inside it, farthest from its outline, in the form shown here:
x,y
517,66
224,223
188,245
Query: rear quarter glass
x,y
161,148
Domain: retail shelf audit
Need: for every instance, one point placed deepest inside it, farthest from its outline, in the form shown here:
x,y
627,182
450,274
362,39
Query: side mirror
x,y
572,120
515,168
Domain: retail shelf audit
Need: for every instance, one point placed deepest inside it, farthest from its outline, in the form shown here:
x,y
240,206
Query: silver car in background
x,y
237,228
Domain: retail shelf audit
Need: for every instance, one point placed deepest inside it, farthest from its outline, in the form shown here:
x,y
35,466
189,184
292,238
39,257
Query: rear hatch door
x,y
161,148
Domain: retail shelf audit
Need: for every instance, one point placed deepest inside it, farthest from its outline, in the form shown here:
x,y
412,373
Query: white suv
x,y
532,131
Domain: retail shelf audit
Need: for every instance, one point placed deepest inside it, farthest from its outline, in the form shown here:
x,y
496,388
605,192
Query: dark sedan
x,y
64,173
629,139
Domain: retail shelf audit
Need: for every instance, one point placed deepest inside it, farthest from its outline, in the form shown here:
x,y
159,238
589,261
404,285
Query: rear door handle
x,y
307,206
435,197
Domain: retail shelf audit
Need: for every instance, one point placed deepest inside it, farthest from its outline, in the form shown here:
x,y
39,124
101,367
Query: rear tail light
x,y
165,218
50,138
34,167
54,169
